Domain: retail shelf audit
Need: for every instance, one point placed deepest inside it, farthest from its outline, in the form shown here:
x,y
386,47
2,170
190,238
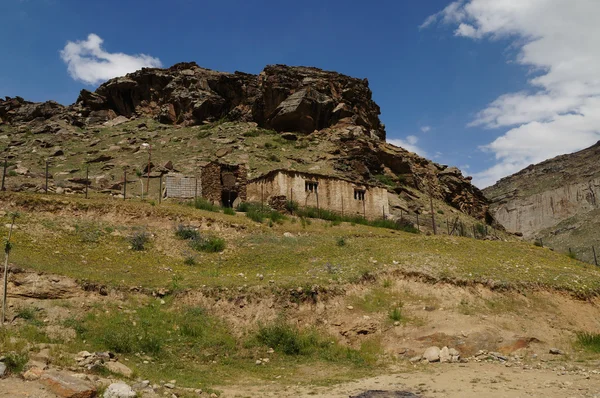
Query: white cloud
x,y
89,63
559,41
409,143
425,129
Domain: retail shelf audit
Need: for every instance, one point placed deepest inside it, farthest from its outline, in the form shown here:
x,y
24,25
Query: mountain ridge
x,y
301,117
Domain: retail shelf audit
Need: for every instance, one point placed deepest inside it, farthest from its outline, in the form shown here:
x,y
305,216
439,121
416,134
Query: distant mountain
x,y
557,201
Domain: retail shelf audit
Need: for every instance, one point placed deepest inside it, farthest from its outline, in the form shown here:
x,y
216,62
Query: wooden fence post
x,y
432,214
6,253
87,180
595,258
4,174
160,185
448,224
46,176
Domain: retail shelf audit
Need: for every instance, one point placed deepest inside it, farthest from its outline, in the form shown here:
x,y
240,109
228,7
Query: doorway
x,y
228,198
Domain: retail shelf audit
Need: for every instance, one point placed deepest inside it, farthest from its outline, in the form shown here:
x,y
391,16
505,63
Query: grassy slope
x,y
47,239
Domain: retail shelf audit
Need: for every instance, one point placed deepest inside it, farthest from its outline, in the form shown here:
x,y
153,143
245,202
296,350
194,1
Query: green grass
x,y
292,341
385,179
198,349
186,232
254,248
395,314
588,341
229,211
203,204
208,244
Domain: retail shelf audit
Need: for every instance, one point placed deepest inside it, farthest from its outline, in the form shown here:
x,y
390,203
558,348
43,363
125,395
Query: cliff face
x,y
551,199
281,98
324,121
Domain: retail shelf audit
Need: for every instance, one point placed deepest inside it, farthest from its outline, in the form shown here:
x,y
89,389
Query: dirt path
x,y
489,380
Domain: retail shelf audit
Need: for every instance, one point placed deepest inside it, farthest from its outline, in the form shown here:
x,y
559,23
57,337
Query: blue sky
x,y
440,70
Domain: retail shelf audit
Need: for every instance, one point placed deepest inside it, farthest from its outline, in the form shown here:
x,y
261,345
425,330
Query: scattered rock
x,y
432,354
33,374
118,368
3,369
119,390
445,355
67,386
556,351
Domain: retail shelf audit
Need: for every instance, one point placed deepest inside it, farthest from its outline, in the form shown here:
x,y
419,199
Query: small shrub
x,y
395,314
186,232
341,241
537,243
203,204
204,133
12,173
88,232
571,254
229,211
440,211
190,260
480,229
387,283
589,341
270,145
385,179
208,244
15,362
273,158
243,207
76,325
27,313
138,240
291,206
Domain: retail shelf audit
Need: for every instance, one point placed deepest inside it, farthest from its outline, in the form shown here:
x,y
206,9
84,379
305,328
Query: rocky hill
x,y
556,201
285,117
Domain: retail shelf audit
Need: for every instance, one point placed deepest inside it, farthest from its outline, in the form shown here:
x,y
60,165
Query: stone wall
x,y
331,194
217,179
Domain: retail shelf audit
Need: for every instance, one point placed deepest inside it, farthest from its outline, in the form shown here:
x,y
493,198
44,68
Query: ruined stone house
x,y
219,183
325,192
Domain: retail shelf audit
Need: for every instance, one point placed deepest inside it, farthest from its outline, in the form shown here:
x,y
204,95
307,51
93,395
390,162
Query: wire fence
x,y
150,184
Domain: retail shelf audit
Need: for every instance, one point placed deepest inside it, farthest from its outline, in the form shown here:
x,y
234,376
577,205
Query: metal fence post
x,y
595,258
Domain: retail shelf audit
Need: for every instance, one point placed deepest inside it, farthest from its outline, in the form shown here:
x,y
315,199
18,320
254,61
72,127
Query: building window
x,y
311,186
359,194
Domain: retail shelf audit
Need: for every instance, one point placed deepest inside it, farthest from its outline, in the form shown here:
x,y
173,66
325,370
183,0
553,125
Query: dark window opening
x,y
359,194
311,186
228,197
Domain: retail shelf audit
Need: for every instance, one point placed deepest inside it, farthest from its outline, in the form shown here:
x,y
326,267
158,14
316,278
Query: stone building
x,y
219,183
325,192
223,184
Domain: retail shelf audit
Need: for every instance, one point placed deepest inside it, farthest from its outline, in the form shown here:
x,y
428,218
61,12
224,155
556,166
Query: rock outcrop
x,y
281,98
551,199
